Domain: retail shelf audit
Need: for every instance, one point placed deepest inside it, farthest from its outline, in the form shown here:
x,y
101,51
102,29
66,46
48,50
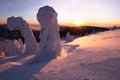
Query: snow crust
x,y
92,62
109,39
93,57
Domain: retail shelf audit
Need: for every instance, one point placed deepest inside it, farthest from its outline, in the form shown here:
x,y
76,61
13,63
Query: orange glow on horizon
x,y
76,23
99,24
2,21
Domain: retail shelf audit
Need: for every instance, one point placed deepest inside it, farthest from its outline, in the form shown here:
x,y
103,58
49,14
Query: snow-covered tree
x,y
69,37
17,23
49,35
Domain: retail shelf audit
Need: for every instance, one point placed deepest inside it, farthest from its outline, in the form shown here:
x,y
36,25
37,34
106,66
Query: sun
x,y
78,22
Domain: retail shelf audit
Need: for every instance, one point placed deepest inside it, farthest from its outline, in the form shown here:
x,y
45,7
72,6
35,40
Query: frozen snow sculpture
x,y
3,48
50,43
13,47
2,54
69,37
10,47
50,40
19,24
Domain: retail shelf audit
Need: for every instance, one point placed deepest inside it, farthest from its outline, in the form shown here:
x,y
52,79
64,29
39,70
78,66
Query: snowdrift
x,y
93,57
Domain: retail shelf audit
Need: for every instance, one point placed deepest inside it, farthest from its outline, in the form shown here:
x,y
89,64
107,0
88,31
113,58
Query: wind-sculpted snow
x,y
17,23
102,39
49,35
9,47
69,37
92,62
93,57
50,43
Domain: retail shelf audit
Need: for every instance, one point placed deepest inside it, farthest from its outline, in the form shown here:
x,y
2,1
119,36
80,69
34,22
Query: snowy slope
x,y
93,57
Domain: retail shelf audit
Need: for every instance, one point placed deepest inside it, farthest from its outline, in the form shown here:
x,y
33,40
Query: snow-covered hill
x,y
93,57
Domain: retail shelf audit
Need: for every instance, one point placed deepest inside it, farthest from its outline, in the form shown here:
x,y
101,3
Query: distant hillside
x,y
76,31
80,31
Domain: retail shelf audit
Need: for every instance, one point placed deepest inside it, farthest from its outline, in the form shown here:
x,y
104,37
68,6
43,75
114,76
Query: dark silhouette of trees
x,y
75,31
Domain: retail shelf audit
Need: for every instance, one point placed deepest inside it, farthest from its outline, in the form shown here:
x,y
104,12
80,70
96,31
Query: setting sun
x,y
78,22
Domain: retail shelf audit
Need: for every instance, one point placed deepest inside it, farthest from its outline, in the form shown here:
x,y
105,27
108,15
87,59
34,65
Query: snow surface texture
x,y
50,43
17,23
99,60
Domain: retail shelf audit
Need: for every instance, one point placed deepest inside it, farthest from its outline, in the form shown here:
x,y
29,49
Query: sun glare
x,y
78,22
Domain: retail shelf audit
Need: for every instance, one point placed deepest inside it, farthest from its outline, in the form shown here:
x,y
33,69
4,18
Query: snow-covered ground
x,y
93,57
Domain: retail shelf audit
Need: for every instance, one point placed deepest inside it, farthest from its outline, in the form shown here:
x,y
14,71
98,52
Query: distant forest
x,y
75,31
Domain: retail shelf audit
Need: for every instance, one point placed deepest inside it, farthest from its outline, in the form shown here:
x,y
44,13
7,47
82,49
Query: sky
x,y
70,12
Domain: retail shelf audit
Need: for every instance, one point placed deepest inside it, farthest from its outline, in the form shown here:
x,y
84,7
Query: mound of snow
x,y
94,57
108,39
69,37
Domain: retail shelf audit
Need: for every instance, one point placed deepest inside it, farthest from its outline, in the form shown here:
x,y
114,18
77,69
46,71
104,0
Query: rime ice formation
x,y
3,47
17,23
10,47
50,40
69,37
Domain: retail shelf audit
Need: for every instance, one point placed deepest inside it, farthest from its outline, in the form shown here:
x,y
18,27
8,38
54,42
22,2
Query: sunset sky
x,y
70,12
